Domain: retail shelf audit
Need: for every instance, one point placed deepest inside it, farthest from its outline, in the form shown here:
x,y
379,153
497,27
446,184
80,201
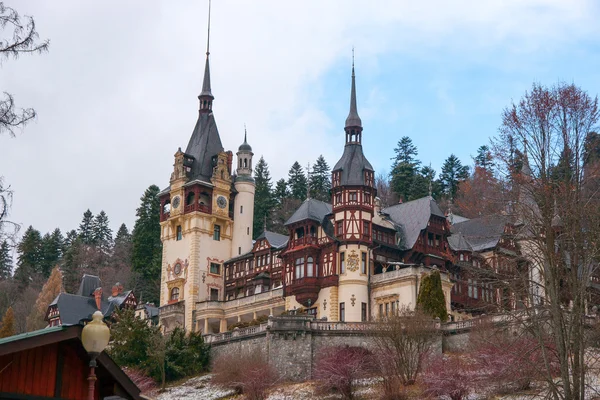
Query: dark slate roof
x,y
276,240
353,165
151,310
88,284
204,144
206,89
119,299
412,217
73,308
245,146
482,233
458,242
353,119
310,209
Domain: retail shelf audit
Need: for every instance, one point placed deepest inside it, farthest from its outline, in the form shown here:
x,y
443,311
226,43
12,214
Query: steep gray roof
x,y
88,284
119,299
315,210
412,217
353,119
245,146
458,242
482,233
204,144
353,165
73,308
276,240
206,89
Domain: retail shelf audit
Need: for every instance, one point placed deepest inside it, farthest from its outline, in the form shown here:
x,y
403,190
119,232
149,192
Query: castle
x,y
348,260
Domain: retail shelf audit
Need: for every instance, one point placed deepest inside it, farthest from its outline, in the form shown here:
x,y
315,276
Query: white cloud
x,y
116,94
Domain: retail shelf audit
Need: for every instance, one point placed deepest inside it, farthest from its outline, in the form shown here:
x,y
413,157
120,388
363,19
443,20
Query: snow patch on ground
x,y
198,388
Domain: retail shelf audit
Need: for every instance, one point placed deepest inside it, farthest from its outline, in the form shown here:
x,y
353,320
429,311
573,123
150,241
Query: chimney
x,y
230,161
115,290
98,298
119,287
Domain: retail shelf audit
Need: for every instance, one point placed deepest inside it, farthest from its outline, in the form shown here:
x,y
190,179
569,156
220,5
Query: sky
x,y
116,94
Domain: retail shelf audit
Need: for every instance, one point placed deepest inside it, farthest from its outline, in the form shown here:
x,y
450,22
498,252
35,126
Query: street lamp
x,y
95,336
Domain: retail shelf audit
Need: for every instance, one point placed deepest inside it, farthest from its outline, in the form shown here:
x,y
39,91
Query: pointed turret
x,y
206,98
353,120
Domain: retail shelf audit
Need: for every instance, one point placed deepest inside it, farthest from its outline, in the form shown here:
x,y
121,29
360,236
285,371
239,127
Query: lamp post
x,y
95,336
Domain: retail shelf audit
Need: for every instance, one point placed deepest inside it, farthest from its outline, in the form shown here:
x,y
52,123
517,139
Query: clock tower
x,y
196,220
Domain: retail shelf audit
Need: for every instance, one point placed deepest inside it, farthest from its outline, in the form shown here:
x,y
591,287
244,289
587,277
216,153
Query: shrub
x,y
451,376
431,298
247,373
338,368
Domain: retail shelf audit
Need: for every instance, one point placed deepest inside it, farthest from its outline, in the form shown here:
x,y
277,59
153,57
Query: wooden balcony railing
x,y
305,241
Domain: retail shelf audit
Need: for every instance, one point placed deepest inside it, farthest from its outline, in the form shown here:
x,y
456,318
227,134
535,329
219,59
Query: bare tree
x,y
401,342
21,38
384,191
556,222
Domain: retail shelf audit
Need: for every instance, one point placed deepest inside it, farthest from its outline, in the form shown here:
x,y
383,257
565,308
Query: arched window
x,y
190,198
167,207
245,163
309,267
175,294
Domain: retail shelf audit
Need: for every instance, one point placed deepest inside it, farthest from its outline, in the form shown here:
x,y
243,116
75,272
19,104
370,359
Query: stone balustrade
x,y
254,299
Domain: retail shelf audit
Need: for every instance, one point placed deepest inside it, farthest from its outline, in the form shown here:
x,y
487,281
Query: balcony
x,y
174,308
197,207
307,289
172,315
269,296
304,241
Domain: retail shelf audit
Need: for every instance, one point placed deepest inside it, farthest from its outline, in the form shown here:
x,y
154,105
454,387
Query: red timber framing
x,y
52,364
241,273
432,246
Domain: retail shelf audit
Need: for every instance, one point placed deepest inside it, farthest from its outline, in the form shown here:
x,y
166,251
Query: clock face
x,y
177,269
176,201
221,201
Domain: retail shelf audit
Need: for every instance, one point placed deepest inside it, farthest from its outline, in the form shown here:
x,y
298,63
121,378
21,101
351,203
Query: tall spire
x,y
353,120
206,96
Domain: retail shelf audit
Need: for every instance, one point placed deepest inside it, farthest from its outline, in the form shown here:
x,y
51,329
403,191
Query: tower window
x,y
239,251
245,163
179,234
174,294
309,267
217,232
363,312
363,266
342,263
340,228
215,268
241,209
352,196
300,268
247,230
342,312
214,294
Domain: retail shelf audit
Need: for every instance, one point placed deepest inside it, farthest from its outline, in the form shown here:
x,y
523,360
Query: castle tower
x,y
244,201
196,219
353,196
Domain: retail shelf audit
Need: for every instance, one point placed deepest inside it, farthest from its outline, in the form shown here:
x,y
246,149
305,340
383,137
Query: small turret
x,y
244,157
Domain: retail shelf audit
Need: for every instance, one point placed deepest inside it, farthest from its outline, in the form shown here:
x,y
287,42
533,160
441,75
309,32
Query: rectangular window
x,y
248,231
340,227
367,198
393,307
363,266
387,309
338,198
214,294
217,232
342,263
179,235
475,289
352,196
470,290
300,268
366,230
215,268
437,240
363,312
430,239
342,312
241,209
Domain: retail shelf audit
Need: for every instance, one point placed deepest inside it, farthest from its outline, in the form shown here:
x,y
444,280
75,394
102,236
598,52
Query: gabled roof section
x,y
119,299
412,217
203,146
353,165
73,308
88,284
482,233
276,240
312,209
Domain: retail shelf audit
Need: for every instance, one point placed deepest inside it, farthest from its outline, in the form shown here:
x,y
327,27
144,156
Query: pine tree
x,y
8,324
431,298
264,202
423,183
101,233
484,158
6,262
320,180
69,239
50,290
281,192
52,247
86,228
146,257
29,261
453,172
70,266
405,169
297,182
